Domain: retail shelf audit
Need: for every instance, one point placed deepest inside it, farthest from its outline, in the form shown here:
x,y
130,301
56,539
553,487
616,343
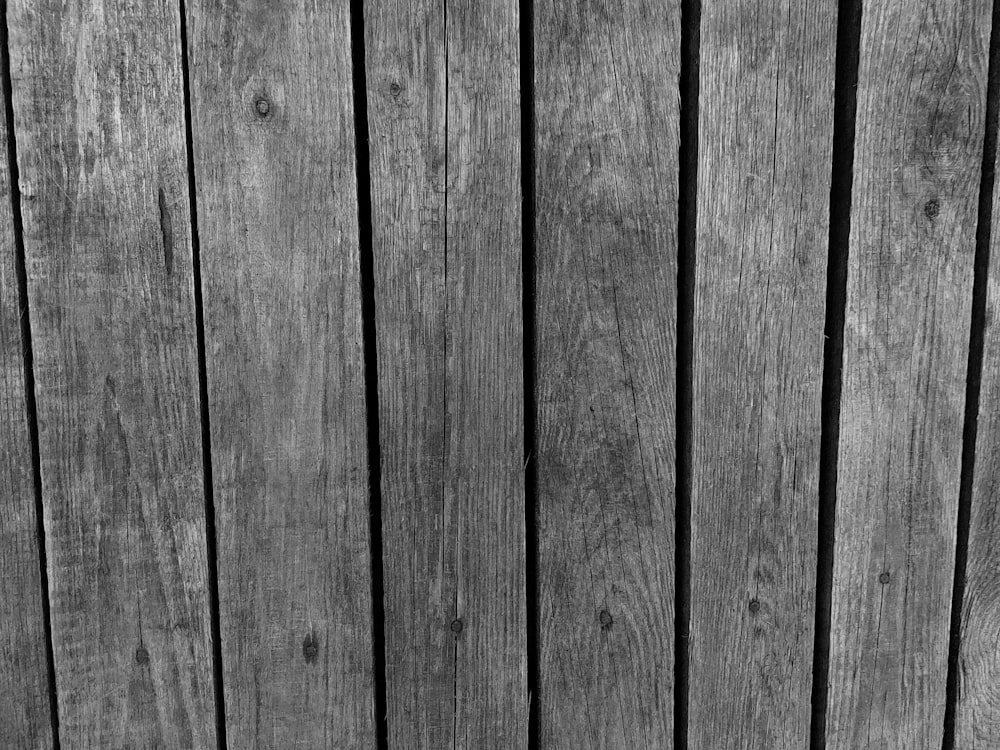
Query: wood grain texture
x,y
273,130
920,114
977,714
99,114
607,133
444,122
765,139
25,714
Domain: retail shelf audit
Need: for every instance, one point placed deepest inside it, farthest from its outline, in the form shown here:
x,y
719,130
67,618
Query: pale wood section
x,y
765,138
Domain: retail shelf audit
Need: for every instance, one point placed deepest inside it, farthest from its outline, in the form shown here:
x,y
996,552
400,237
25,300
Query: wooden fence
x,y
497,374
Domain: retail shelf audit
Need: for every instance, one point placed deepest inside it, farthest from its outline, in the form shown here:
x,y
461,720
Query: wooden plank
x,y
607,124
977,713
273,131
920,115
765,138
25,713
99,115
444,124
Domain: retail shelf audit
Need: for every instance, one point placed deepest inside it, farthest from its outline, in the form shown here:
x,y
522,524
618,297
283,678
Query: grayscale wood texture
x,y
274,153
765,140
98,108
920,114
24,678
607,137
444,128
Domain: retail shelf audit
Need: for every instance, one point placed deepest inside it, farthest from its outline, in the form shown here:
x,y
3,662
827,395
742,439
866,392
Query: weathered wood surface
x,y
920,114
25,713
444,128
273,137
607,129
765,137
977,714
99,116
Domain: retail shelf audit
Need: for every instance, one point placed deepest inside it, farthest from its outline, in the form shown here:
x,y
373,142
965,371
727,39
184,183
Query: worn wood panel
x,y
444,121
99,115
977,712
273,131
920,114
25,713
607,134
765,138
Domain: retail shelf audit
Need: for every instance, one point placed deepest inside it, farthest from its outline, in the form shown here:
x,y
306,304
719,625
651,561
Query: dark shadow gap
x,y
687,208
841,183
973,378
206,426
527,11
367,272
29,373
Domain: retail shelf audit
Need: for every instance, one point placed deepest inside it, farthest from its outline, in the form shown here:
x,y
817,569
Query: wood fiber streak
x,y
920,119
765,139
607,124
24,685
274,146
444,123
98,104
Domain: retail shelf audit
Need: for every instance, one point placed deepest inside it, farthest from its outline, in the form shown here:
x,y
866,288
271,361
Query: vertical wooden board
x,y
25,713
444,127
977,714
607,131
273,131
765,137
99,115
920,115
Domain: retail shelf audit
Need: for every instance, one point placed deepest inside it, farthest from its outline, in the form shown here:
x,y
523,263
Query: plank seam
x,y
529,343
20,264
206,426
973,377
367,274
687,208
841,185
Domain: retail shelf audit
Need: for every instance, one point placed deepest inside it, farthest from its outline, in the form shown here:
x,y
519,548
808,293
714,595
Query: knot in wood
x,y
606,619
932,208
395,89
141,655
262,106
310,648
754,606
883,578
457,625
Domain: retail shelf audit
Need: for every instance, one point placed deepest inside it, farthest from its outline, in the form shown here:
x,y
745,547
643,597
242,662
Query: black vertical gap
x,y
527,11
686,241
367,271
845,100
29,371
973,377
206,426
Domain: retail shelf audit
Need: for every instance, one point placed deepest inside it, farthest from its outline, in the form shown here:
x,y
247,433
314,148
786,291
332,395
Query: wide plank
x,y
274,152
607,137
919,140
765,126
444,128
25,713
98,103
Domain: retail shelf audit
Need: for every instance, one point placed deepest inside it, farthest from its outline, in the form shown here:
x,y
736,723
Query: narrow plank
x,y
607,125
273,132
920,115
25,713
99,115
444,122
977,713
765,139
